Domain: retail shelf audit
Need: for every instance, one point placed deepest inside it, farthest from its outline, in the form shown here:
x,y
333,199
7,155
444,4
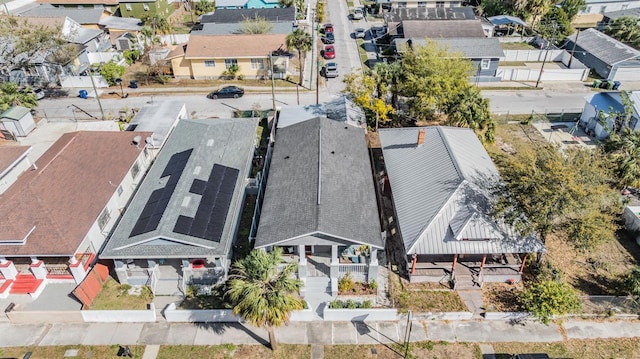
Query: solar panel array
x,y
216,193
157,203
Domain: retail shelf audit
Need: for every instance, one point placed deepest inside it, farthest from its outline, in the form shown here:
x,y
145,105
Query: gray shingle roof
x,y
440,195
635,12
227,142
429,13
121,23
442,28
320,186
471,48
221,16
236,28
603,47
82,16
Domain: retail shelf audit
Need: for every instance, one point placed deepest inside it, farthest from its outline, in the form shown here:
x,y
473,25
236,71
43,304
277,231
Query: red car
x,y
327,28
329,52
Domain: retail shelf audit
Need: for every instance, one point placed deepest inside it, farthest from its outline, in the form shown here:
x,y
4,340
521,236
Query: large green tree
x,y
549,191
205,6
111,71
301,41
263,294
469,109
573,7
369,94
388,75
10,95
430,76
625,29
624,151
548,298
158,23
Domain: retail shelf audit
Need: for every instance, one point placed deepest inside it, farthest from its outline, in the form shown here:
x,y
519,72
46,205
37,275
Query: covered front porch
x,y
334,261
466,270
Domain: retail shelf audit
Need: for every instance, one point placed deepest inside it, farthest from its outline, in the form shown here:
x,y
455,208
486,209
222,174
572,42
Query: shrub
x,y
345,283
146,292
124,289
350,304
548,298
131,56
366,305
112,71
373,284
336,304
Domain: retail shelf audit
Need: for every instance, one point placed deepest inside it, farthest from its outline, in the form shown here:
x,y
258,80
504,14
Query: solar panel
x,y
157,202
208,222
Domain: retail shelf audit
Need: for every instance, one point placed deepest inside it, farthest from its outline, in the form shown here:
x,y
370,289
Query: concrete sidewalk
x,y
324,333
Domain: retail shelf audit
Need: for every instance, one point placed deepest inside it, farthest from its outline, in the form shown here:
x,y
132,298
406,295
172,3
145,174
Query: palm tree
x,y
262,293
302,42
470,109
625,151
625,29
387,76
10,95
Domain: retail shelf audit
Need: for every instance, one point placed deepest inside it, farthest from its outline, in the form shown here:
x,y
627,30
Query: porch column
x,y
484,259
335,262
7,268
38,268
121,271
77,269
373,265
151,264
524,260
414,260
302,262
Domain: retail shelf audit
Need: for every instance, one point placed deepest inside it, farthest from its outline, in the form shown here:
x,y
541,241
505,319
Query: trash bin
x,y
84,94
133,84
604,84
596,83
616,84
610,85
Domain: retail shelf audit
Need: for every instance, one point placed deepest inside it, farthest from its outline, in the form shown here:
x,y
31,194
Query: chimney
x,y
420,136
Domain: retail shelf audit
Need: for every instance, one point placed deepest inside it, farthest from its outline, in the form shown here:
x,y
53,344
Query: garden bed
x,y
114,296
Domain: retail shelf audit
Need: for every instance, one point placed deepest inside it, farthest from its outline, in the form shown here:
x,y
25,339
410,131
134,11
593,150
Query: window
x,y
402,4
120,191
422,4
230,62
257,64
135,170
209,63
146,7
439,3
104,218
485,64
128,7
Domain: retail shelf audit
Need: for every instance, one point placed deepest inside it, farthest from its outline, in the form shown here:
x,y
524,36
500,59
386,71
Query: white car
x,y
358,14
359,33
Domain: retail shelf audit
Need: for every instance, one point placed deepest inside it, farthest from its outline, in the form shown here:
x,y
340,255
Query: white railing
x,y
352,268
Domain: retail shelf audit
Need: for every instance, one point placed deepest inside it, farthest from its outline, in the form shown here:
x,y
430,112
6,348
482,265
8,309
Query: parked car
x,y
327,28
358,14
359,33
329,52
226,92
328,38
531,356
540,43
330,70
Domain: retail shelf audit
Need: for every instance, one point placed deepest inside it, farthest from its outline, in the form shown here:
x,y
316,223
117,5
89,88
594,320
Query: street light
x,y
122,94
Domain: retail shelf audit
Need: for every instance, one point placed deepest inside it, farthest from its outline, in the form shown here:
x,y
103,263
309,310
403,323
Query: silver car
x,y
358,14
331,70
359,33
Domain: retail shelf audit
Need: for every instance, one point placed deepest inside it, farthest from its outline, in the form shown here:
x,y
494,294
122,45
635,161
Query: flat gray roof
x,y
159,117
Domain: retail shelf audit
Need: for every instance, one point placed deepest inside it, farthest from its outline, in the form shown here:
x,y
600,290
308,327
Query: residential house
x,y
602,113
607,56
180,226
595,10
56,216
609,16
484,53
392,4
159,118
13,7
211,56
438,180
320,204
13,162
122,8
18,121
111,6
210,28
438,29
340,109
246,4
227,16
88,18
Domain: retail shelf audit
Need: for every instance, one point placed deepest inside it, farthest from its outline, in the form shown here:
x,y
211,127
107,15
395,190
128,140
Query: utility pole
x,y
573,48
544,61
273,82
95,91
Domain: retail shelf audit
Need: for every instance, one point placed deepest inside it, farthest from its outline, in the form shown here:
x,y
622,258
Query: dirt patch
x,y
501,297
426,349
417,298
584,349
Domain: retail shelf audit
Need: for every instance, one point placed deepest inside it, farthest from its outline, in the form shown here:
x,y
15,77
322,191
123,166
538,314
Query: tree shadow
x,y
222,328
365,329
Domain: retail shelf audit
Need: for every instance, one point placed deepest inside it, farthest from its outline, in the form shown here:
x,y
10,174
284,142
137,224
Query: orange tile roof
x,y
225,46
177,51
62,199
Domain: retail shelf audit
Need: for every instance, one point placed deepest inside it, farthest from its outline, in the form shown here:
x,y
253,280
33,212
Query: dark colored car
x,y
329,52
328,38
227,91
327,28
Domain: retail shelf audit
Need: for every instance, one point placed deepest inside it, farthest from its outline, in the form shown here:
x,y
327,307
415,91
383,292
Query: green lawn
x,y
234,351
113,296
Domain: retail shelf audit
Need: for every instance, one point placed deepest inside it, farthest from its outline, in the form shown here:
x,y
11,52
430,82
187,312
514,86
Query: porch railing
x,y
352,268
58,269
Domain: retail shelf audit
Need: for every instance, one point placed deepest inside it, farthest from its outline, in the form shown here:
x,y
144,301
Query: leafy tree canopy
x,y
205,6
261,293
10,95
302,42
548,298
625,29
111,71
573,7
362,91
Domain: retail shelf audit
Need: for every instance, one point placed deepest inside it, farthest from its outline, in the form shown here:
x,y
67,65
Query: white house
x,y
597,116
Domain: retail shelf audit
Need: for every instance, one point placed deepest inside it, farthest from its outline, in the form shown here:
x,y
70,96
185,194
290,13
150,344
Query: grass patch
x,y
585,349
362,52
114,296
426,349
416,298
513,63
517,46
101,351
243,246
350,4
234,351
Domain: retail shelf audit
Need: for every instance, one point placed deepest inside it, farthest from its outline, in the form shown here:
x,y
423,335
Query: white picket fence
x,y
577,71
83,82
